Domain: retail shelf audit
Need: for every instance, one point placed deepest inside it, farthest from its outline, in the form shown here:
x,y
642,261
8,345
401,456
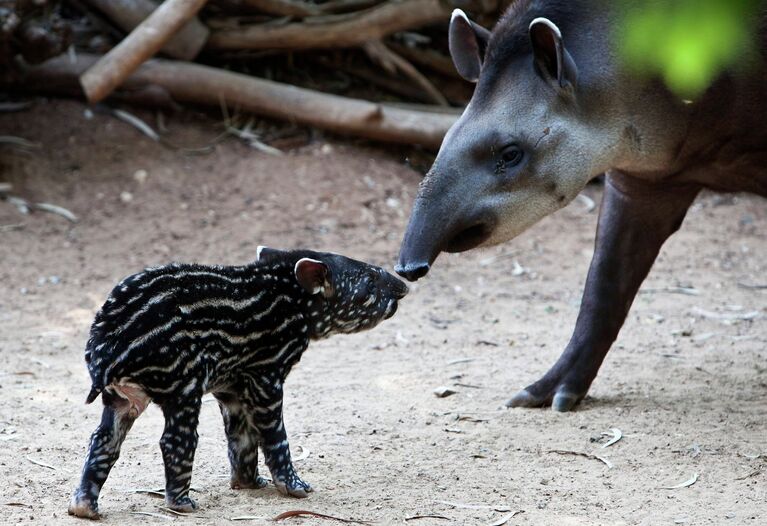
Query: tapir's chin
x,y
471,237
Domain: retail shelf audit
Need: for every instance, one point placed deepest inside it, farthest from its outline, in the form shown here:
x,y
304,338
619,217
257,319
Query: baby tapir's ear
x,y
267,254
313,276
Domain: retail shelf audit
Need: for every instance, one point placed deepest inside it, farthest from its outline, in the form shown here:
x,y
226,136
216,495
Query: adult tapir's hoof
x,y
562,400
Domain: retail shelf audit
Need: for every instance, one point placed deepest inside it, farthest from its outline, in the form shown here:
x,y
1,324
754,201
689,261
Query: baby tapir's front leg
x,y
178,444
243,440
263,394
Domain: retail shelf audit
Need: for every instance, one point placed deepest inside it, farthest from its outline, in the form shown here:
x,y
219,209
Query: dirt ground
x,y
686,383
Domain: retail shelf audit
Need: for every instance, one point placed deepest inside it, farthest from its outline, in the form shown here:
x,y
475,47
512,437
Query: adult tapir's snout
x,y
441,225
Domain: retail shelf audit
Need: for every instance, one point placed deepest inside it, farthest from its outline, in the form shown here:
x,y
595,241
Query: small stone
x,y
126,197
326,149
443,392
54,280
392,202
140,176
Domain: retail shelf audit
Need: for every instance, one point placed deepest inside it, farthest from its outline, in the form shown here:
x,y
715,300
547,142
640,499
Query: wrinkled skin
x,y
552,109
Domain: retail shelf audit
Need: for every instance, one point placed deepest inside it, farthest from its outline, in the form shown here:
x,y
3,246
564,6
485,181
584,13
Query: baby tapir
x,y
171,334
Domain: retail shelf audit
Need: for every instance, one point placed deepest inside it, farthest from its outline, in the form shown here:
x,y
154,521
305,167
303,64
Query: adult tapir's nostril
x,y
412,271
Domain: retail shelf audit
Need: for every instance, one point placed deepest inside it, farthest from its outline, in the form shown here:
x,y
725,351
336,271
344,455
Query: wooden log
x,y
127,14
209,86
283,7
346,30
143,42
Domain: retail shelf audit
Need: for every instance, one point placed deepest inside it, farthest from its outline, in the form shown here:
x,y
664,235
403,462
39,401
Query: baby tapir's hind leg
x,y
116,420
263,398
243,443
178,444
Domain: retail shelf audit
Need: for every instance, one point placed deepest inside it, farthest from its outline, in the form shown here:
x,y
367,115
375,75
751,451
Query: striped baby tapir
x,y
170,334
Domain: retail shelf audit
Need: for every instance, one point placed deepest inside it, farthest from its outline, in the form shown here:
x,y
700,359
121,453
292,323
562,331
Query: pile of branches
x,y
377,69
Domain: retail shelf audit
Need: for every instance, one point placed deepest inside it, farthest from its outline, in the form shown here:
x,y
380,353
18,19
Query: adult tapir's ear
x,y
468,42
552,60
314,276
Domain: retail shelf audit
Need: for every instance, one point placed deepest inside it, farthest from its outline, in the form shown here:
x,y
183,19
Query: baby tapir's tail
x,y
95,391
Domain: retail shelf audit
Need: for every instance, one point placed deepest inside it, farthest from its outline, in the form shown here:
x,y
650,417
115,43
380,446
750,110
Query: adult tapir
x,y
553,107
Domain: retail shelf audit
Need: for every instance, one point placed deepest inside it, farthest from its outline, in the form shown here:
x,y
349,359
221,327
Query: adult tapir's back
x,y
554,106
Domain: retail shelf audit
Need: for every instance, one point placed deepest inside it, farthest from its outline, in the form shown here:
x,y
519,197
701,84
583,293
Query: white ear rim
x,y
547,22
458,13
258,252
318,288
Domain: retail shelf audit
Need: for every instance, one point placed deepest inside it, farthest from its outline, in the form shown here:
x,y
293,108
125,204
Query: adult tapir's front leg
x,y
635,219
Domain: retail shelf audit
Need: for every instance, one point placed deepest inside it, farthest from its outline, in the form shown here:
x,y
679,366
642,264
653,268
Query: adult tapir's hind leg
x,y
635,219
243,440
116,420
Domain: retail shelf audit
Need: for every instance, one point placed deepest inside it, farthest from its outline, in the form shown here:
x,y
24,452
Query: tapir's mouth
x,y
469,238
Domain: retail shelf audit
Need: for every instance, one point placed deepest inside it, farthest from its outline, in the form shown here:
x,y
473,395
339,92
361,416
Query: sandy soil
x,y
688,392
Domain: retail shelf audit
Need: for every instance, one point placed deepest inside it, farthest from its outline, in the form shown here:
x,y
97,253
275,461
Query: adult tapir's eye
x,y
512,155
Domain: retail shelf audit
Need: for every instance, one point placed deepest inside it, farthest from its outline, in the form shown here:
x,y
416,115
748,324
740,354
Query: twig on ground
x,y
495,507
137,123
152,514
581,454
9,107
306,513
40,463
689,291
752,286
18,141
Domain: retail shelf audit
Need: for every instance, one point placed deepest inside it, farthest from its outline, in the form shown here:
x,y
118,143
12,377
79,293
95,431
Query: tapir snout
x,y
432,230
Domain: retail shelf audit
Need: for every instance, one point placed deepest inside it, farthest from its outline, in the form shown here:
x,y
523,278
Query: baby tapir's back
x,y
184,327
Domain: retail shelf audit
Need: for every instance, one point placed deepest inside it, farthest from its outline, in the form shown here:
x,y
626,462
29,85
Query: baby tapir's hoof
x,y
258,483
84,508
294,486
182,504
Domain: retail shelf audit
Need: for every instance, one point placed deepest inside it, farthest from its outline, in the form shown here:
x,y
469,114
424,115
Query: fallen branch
x,y
337,31
429,58
378,52
143,42
205,85
185,44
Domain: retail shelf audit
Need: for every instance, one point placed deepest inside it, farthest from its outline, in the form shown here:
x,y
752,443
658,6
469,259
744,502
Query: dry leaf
x,y
503,520
687,483
305,452
616,435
